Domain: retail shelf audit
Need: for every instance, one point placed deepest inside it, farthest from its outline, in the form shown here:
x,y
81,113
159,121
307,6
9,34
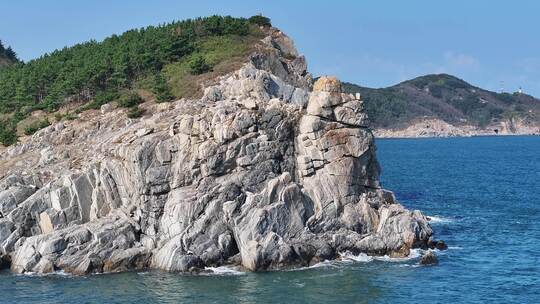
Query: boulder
x,y
429,259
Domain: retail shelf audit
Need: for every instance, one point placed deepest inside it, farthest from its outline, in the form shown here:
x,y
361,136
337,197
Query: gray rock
x,y
106,108
6,228
261,171
429,259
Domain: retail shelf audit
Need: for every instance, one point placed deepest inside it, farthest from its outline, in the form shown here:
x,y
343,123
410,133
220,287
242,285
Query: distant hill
x,y
444,97
7,56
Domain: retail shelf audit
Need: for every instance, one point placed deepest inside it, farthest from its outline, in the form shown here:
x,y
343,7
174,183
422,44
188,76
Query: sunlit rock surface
x,y
264,171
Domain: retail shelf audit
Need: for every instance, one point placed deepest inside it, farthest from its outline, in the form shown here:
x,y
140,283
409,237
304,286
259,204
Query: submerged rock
x,y
429,259
262,171
440,245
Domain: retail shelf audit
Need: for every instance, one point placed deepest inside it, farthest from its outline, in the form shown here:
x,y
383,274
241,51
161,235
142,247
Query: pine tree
x,y
198,65
10,54
161,89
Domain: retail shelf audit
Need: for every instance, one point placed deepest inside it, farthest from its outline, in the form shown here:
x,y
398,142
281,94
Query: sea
x,y
482,194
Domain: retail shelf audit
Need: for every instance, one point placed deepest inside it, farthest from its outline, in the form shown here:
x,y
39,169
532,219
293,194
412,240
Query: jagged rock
x,y
429,259
107,244
6,228
260,172
144,131
106,108
440,245
327,84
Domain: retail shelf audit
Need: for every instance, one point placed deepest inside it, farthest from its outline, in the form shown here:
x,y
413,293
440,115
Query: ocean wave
x,y
59,273
346,258
222,271
414,254
408,265
362,257
439,219
322,264
325,263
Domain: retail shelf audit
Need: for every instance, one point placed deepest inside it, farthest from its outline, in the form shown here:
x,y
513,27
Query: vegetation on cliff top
x,y
169,61
7,56
444,97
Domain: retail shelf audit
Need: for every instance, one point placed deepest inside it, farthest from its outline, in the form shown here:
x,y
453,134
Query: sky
x,y
492,44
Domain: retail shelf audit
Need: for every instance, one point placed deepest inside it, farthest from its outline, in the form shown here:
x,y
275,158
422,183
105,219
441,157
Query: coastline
x,y
451,136
436,128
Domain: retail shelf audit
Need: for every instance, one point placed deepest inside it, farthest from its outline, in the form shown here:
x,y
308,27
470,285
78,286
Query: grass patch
x,y
35,126
214,56
135,112
100,99
129,99
8,129
64,116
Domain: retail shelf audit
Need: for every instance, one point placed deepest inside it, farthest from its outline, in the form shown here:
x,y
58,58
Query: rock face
x,y
263,171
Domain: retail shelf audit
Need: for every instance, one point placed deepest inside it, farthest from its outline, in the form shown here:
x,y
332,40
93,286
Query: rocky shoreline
x,y
429,128
264,171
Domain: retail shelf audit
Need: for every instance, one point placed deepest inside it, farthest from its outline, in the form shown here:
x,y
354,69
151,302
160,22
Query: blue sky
x,y
371,43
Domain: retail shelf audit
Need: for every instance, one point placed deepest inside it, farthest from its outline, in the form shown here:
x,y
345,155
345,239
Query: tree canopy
x,y
7,56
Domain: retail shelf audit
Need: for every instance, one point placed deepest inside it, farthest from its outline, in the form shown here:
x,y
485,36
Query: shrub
x,y
70,116
135,112
8,135
102,98
66,116
161,89
36,126
260,20
198,65
129,99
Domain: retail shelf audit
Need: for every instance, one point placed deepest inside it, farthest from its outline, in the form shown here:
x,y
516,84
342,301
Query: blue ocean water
x,y
483,194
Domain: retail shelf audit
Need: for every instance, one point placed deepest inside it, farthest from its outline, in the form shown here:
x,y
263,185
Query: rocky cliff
x,y
264,171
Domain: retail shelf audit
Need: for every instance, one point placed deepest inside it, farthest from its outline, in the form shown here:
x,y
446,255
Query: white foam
x,y
414,254
325,263
408,265
223,271
28,274
439,220
60,273
362,257
347,258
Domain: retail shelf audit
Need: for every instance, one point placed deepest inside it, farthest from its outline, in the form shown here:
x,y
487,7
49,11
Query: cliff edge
x,y
263,171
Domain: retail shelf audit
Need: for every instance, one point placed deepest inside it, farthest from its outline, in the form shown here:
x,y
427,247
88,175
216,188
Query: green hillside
x,y
7,56
167,61
445,97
